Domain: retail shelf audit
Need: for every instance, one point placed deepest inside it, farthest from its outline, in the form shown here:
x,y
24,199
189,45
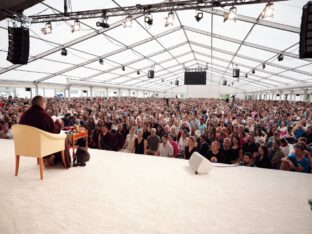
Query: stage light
x,y
268,11
138,73
263,65
101,61
199,16
253,71
169,19
246,76
102,23
127,22
280,57
76,26
231,14
64,52
47,29
123,68
148,19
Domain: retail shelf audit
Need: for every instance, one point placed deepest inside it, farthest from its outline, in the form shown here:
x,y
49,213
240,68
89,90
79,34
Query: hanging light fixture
x,y
101,61
123,68
127,22
263,65
268,11
169,19
138,72
47,29
76,26
148,19
231,14
199,16
102,23
64,52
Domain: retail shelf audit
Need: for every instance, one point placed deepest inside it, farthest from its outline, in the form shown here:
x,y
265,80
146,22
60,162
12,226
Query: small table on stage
x,y
78,135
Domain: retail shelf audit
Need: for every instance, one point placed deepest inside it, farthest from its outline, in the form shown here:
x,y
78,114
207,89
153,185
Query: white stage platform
x,y
123,193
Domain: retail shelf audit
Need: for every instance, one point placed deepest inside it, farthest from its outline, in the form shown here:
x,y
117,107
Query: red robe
x,y
36,117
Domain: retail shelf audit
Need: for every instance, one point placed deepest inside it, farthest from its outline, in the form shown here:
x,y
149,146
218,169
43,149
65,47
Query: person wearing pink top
x,y
174,145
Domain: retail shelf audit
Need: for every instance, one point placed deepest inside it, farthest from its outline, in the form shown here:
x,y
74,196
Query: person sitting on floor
x,y
190,149
152,142
6,132
105,138
248,160
296,161
215,155
262,160
227,151
202,146
276,155
165,148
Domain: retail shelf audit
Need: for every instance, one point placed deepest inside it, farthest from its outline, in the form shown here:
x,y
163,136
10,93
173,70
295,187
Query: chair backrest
x,y
34,142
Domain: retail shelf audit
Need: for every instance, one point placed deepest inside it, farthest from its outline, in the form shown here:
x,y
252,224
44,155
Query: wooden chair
x,y
33,142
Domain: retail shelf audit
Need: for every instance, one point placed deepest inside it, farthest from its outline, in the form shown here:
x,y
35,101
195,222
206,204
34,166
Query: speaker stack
x,y
150,74
18,45
305,49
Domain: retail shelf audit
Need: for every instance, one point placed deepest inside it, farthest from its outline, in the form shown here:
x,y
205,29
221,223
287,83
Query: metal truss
x,y
252,20
68,44
139,9
107,55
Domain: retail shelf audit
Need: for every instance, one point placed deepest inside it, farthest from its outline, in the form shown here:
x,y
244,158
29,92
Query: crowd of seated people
x,y
251,133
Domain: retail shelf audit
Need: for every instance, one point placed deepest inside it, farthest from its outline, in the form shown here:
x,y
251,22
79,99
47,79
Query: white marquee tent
x,y
249,42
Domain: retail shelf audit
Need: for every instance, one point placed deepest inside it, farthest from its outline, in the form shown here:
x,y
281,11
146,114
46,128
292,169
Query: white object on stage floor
x,y
200,164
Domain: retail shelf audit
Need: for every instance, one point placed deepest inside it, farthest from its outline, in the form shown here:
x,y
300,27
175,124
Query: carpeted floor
x,y
123,193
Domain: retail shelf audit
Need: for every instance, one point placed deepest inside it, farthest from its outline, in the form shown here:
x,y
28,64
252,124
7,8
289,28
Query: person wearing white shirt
x,y
165,149
183,141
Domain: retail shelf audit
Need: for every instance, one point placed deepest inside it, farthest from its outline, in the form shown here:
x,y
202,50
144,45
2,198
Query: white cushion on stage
x,y
123,193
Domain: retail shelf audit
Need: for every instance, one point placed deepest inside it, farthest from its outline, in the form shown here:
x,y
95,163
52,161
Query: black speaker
x,y
224,82
150,73
277,95
236,72
18,50
177,83
84,91
27,89
305,48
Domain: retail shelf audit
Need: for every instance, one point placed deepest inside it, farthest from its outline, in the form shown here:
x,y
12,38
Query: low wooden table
x,y
78,135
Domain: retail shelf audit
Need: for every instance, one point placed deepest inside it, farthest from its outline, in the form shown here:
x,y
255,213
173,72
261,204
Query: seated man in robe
x,y
36,116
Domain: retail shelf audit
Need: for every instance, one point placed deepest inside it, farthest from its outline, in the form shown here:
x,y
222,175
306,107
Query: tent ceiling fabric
x,y
248,42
